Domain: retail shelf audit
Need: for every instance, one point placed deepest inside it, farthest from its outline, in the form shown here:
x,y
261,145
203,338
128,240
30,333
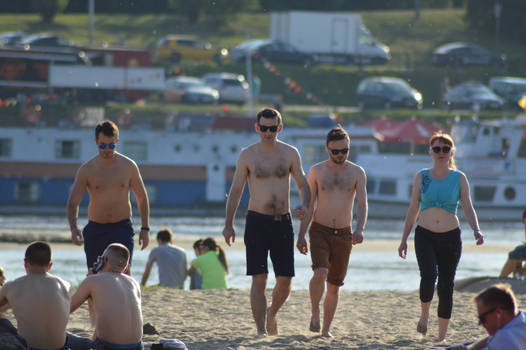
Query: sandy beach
x,y
221,319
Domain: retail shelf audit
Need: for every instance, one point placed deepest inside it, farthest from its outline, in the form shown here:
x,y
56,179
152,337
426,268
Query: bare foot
x,y
272,323
421,327
314,325
262,334
327,335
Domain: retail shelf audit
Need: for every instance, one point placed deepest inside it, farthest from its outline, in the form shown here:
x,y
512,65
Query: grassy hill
x,y
411,44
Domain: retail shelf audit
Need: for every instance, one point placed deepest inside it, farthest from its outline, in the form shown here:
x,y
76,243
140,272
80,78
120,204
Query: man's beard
x,y
338,161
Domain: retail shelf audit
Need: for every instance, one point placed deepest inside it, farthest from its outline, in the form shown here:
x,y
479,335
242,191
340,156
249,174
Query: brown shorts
x,y
330,248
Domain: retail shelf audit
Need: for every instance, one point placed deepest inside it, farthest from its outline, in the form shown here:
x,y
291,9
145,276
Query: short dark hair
x,y
118,255
197,244
269,113
336,134
165,235
499,295
38,254
108,128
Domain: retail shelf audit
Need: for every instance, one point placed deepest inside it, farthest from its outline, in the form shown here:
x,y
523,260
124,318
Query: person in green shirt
x,y
213,265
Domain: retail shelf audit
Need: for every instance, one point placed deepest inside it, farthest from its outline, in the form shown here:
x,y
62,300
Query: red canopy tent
x,y
411,131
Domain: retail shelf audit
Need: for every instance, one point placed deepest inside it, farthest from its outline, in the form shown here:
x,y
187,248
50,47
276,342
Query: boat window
x,y
136,150
233,148
485,131
196,148
5,147
177,148
484,193
67,149
314,153
465,132
152,194
371,185
387,187
395,147
364,149
27,192
522,148
410,190
510,193
215,148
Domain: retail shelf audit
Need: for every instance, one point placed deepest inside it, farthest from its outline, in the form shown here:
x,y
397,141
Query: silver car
x,y
232,87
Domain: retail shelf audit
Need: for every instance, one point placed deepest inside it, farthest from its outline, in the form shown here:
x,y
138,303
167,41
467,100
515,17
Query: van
x,y
232,87
187,47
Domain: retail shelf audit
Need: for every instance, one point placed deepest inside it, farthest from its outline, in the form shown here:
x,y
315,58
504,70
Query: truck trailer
x,y
331,37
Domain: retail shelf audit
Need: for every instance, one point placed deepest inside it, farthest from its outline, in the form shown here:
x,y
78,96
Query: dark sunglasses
x,y
336,151
482,316
264,128
109,145
444,149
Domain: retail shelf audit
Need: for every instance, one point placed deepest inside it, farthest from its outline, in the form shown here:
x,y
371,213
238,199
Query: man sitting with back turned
x,y
116,299
170,259
40,303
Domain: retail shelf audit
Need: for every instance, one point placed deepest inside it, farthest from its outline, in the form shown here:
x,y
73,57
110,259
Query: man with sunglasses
x,y
334,184
267,166
498,314
108,177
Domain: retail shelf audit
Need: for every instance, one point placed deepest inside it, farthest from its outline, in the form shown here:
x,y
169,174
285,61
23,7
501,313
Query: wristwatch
x,y
145,228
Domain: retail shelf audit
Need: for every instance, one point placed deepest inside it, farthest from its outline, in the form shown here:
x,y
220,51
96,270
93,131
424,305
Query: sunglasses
x,y
482,316
264,128
109,145
444,149
337,151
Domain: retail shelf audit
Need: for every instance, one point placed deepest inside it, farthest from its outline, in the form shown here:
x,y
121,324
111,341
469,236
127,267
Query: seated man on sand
x,y
170,259
498,314
116,302
514,264
40,303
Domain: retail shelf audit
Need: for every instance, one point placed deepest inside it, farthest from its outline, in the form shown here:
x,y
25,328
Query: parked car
x,y
45,40
511,89
189,90
387,92
463,54
11,38
273,51
472,95
232,87
188,47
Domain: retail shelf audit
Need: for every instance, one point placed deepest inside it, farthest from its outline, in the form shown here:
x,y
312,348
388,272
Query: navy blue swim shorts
x,y
269,233
98,236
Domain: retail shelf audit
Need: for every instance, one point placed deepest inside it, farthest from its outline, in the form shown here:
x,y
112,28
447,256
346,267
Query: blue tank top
x,y
443,193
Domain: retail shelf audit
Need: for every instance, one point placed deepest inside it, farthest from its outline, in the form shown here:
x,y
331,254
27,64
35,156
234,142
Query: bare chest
x,y
109,179
341,182
267,169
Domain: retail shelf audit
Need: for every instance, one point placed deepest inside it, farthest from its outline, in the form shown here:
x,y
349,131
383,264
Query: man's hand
x,y
402,249
144,238
357,237
300,212
301,244
229,233
76,236
479,237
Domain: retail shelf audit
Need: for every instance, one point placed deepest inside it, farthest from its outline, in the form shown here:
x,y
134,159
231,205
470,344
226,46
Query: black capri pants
x,y
438,254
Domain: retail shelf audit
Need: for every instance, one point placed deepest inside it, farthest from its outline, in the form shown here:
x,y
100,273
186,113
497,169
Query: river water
x,y
370,268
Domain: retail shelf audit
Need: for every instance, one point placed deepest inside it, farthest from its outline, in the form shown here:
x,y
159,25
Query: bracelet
x,y
477,230
145,228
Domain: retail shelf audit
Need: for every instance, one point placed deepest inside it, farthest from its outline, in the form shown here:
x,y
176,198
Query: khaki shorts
x,y
330,248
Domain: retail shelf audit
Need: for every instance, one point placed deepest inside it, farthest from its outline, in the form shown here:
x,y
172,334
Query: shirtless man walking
x,y
267,166
334,184
116,299
108,178
40,302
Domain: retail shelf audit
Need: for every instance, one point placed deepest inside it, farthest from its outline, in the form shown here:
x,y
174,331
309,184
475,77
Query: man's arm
x,y
301,244
146,274
236,190
301,183
81,295
143,204
72,207
362,208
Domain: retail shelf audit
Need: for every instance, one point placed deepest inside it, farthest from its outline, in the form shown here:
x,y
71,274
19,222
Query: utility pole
x,y
91,10
497,9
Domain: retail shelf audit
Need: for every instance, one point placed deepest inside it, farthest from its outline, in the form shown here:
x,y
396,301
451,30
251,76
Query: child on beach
x,y
213,265
195,278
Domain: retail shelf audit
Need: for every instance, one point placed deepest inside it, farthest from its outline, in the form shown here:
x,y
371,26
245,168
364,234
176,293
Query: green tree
x,y
48,9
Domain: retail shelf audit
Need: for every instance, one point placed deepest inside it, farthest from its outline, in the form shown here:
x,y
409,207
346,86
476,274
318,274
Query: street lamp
x,y
497,9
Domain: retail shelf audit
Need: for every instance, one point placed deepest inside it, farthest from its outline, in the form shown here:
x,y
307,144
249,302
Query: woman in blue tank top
x,y
434,201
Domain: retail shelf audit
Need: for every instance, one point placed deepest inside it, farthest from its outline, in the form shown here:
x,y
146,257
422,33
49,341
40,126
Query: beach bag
x,y
173,343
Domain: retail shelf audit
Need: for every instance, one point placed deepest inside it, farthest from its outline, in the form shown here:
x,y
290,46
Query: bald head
x,y
117,256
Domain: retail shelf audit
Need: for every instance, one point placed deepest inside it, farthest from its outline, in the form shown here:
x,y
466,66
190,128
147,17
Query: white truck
x,y
331,37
